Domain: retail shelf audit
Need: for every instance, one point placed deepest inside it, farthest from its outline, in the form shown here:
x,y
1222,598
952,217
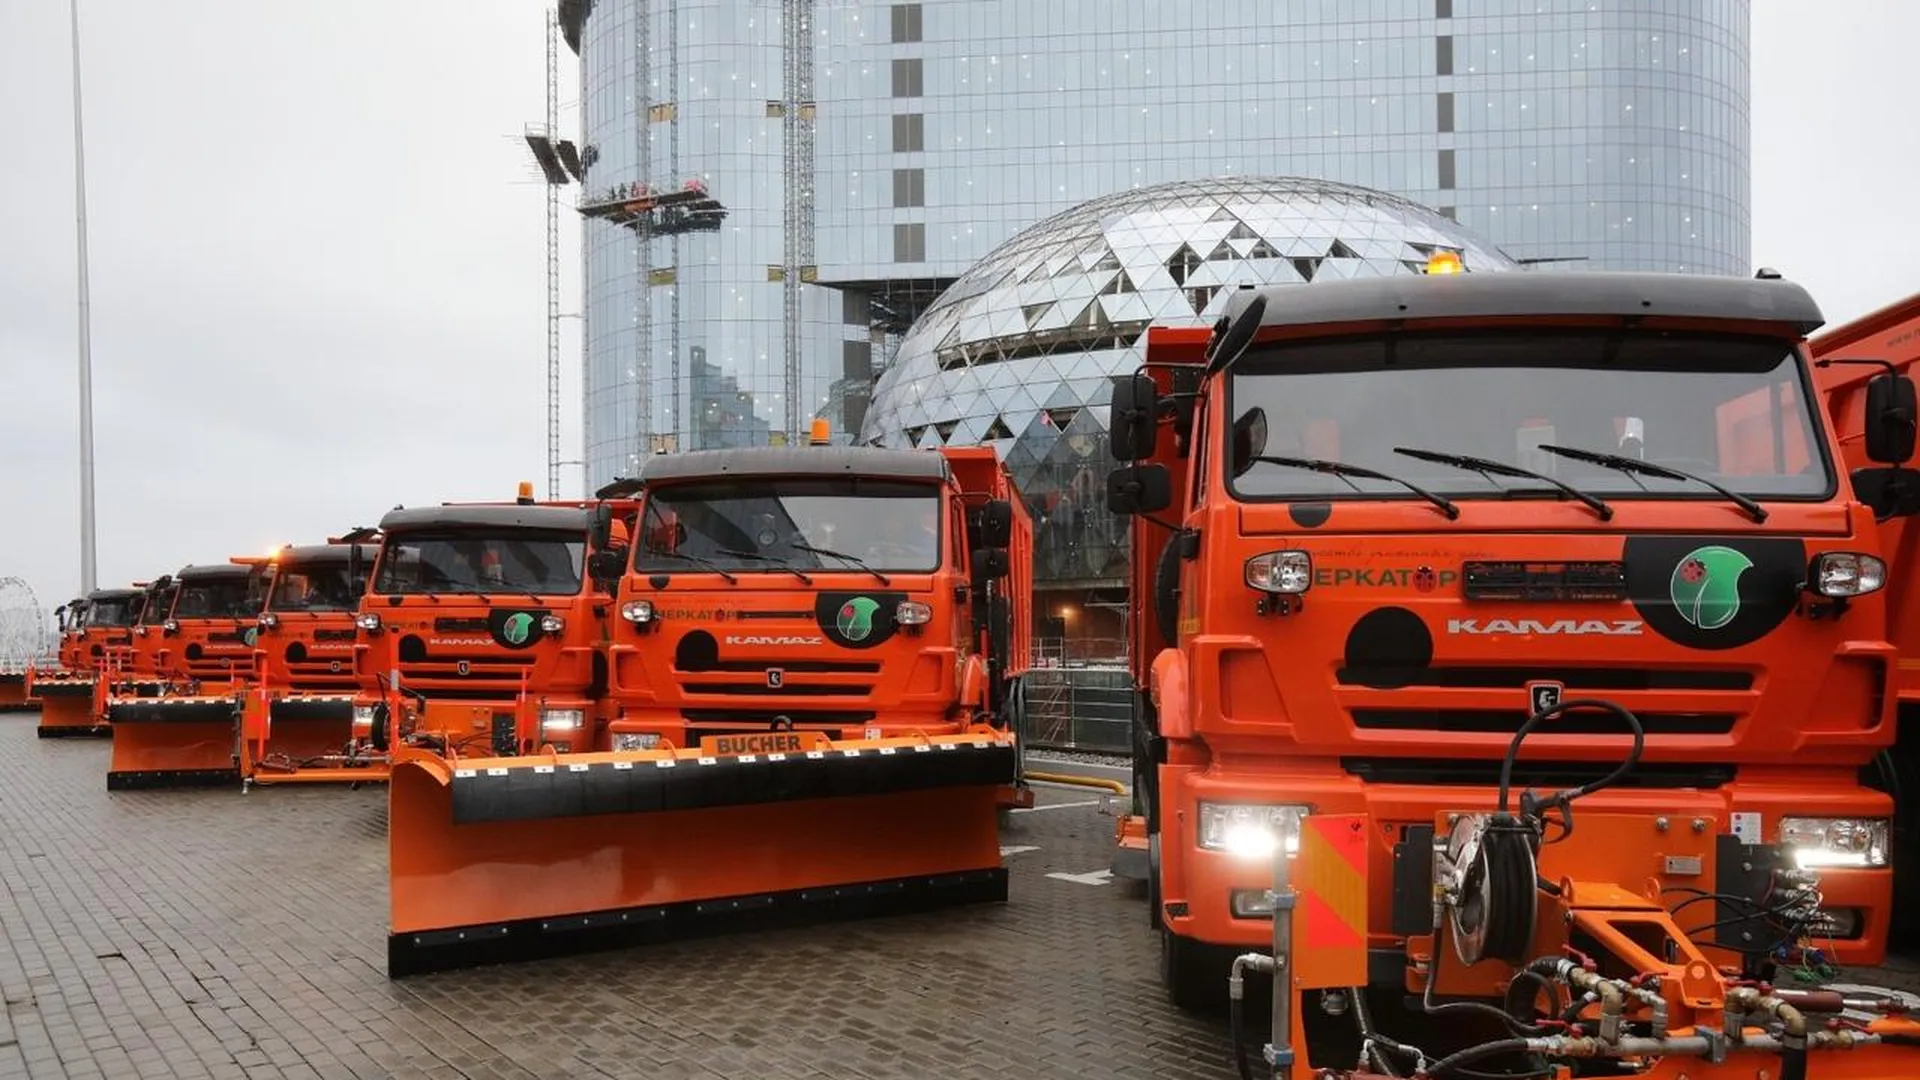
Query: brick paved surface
x,y
213,934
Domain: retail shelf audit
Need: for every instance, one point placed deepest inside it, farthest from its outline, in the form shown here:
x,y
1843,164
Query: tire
x,y
1195,980
1154,907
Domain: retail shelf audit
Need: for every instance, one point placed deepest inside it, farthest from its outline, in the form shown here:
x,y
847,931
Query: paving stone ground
x,y
201,934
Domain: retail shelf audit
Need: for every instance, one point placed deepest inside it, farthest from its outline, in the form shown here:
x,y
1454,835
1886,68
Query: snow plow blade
x,y
13,692
504,859
162,742
307,739
66,705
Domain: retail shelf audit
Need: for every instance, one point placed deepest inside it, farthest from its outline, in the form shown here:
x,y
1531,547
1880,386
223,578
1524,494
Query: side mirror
x,y
600,533
1132,421
1890,491
990,563
1890,419
996,524
1139,489
1249,440
607,564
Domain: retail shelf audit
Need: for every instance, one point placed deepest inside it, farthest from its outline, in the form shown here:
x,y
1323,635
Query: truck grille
x,y
1506,722
318,676
1573,678
1450,772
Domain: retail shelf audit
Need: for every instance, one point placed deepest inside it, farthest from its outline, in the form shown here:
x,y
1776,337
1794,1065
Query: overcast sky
x,y
317,250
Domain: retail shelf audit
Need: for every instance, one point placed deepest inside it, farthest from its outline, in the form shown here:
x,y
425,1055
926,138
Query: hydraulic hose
x,y
1633,755
1236,992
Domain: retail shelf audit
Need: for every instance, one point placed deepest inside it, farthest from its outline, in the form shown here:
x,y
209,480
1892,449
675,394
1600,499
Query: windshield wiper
x,y
696,560
1631,466
1343,470
854,559
757,557
1490,468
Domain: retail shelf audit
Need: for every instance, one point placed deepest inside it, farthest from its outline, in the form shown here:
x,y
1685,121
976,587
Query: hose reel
x,y
1491,904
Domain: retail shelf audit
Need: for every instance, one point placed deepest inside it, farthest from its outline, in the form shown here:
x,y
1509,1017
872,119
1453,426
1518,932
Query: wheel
x,y
1193,974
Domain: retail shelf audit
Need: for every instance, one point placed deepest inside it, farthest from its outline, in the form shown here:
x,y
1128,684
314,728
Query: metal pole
x,y
1280,1052
87,566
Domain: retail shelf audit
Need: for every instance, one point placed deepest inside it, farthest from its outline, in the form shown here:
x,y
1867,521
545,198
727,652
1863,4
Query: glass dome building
x,y
1018,353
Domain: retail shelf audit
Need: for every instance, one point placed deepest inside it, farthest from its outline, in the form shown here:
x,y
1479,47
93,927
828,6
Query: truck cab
x,y
482,629
1382,526
207,634
805,589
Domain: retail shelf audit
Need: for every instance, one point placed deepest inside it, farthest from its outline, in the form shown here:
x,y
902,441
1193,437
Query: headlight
x,y
1846,573
645,740
170,626
1285,572
562,718
1250,830
140,631
912,613
1822,842
369,622
552,624
269,620
638,612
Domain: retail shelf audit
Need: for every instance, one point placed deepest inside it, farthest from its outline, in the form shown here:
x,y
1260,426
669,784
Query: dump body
x,y
803,653
299,722
1315,644
187,733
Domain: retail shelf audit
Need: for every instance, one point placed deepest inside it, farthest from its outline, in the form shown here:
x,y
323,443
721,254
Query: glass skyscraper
x,y
776,189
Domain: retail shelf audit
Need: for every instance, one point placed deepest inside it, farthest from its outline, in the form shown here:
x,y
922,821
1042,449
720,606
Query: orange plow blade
x,y
173,741
67,705
307,739
503,859
13,692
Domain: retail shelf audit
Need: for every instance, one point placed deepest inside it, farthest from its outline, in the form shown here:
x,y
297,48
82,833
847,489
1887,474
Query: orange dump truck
x,y
186,735
1518,639
297,722
1850,365
813,693
93,629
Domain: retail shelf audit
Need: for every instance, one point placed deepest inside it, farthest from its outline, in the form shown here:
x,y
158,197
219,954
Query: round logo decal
x,y
855,621
517,628
1705,588
252,635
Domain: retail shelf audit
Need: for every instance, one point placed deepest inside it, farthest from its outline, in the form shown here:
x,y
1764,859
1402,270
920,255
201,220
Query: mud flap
x,y
173,742
66,709
512,859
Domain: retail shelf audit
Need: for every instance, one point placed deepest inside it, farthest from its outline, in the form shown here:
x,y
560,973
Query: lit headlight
x,y
637,612
562,718
1285,572
1846,573
1249,830
912,613
1822,842
268,620
170,626
140,631
645,740
368,622
552,624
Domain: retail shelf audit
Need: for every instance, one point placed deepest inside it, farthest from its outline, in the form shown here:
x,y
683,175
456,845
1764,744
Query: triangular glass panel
x,y
1262,250
997,430
1182,263
1306,268
1222,253
1242,231
1340,250
1032,312
945,429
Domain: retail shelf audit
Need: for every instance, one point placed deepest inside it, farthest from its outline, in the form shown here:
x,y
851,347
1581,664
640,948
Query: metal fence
x,y
1077,707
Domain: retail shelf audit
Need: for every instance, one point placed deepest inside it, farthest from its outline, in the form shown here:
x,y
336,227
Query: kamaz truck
x,y
95,629
1509,647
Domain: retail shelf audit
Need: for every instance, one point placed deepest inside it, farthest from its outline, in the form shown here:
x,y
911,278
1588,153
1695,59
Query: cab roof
x,y
486,516
1531,292
871,462
110,595
208,571
313,554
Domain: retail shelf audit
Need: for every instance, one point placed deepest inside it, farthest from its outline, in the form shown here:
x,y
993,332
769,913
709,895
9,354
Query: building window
x,y
1445,111
1443,9
909,187
909,133
1442,58
1446,170
906,22
907,77
910,242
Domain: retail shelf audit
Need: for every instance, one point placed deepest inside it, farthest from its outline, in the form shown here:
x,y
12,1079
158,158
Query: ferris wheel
x,y
23,626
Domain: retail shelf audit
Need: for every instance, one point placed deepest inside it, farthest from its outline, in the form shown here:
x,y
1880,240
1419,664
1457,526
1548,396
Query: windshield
x,y
316,587
217,598
109,612
477,561
1732,410
764,526
155,604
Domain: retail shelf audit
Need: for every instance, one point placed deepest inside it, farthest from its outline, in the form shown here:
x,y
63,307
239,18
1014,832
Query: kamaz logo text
x,y
748,640
458,642
1566,627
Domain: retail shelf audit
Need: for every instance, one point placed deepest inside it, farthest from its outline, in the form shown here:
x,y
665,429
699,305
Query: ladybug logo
x,y
1425,580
